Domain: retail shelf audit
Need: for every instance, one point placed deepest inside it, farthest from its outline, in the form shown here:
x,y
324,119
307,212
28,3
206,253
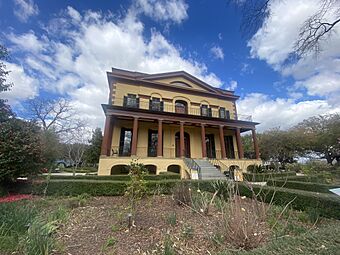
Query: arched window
x,y
174,169
181,107
119,169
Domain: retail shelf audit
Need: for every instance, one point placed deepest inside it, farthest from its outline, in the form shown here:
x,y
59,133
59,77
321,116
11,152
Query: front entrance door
x,y
186,145
210,143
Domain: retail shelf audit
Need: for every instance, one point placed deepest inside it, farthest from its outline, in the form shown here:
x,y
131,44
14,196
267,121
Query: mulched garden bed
x,y
101,228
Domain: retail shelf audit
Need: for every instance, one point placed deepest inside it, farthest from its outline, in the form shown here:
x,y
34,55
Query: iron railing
x,y
192,165
223,167
172,108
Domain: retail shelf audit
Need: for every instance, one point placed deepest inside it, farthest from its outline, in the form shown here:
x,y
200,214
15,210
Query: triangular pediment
x,y
181,79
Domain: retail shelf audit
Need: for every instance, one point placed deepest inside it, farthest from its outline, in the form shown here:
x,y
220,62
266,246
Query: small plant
x,y
114,228
182,193
168,246
39,239
110,242
217,239
313,214
60,214
136,188
172,219
187,232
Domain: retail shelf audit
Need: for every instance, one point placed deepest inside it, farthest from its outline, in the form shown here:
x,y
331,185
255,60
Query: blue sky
x,y
63,48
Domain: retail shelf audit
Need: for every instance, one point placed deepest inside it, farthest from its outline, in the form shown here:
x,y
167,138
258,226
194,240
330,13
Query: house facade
x,y
172,122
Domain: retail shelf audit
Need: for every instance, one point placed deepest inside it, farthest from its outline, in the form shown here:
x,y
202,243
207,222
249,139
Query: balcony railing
x,y
172,108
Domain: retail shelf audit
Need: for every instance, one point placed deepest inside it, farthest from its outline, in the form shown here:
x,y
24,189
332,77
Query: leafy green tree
x,y
93,151
248,145
279,145
20,149
321,135
5,110
51,147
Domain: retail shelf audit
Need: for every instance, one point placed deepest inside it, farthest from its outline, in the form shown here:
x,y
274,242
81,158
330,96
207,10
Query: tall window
x,y
206,111
156,104
152,143
224,114
181,107
131,100
125,142
228,141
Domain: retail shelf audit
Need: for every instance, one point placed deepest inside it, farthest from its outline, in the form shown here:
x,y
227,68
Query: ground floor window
x,y
152,143
125,142
229,144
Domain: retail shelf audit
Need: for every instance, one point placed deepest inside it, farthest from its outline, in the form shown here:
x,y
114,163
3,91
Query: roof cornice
x,y
140,78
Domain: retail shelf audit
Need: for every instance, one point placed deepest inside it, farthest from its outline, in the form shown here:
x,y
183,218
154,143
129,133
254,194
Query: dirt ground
x,y
101,227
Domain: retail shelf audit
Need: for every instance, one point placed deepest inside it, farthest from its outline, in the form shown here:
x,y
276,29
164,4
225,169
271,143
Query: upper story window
x,y
156,104
224,114
181,107
131,100
206,111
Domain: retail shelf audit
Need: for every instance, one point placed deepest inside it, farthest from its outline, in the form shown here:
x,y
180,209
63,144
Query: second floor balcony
x,y
178,106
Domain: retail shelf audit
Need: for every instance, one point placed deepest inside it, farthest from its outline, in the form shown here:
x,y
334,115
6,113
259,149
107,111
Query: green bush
x,y
314,167
116,177
308,186
327,204
262,177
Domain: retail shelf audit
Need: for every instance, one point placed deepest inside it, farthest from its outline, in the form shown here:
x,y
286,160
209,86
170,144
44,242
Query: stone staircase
x,y
208,171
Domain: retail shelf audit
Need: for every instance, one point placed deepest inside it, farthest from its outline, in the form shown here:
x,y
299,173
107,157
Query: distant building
x,y
172,122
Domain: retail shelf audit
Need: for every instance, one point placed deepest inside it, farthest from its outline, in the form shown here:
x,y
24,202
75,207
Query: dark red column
x,y
160,139
134,137
181,139
223,152
256,146
239,144
107,139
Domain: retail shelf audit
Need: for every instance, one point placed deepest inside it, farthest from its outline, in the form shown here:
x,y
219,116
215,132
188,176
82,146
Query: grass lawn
x,y
99,225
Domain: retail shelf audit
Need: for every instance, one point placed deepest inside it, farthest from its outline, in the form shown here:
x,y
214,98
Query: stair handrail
x,y
192,165
214,162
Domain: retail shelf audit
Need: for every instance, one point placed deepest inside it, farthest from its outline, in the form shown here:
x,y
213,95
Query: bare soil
x,y
101,227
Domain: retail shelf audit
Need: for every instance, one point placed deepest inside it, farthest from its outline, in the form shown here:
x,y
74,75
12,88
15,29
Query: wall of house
x,y
169,132
169,97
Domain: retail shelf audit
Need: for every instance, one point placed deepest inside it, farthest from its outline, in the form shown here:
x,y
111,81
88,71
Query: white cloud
x,y
24,9
25,86
75,63
217,52
163,10
28,42
232,85
281,112
274,42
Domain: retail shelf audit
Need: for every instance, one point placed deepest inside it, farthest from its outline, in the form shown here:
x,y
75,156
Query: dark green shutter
x,y
125,101
162,106
209,112
137,102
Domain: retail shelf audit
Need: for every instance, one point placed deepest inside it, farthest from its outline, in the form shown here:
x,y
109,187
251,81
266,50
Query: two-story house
x,y
172,122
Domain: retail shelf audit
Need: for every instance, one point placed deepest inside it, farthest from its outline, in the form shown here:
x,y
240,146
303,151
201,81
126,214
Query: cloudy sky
x,y
63,49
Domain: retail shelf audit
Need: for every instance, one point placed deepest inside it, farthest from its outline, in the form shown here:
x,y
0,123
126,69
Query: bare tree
x,y
76,147
315,29
58,115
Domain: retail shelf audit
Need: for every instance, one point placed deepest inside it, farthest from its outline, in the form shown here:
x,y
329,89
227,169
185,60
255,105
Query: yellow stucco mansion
x,y
172,122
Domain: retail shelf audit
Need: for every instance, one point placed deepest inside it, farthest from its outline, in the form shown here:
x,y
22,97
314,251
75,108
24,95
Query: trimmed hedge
x,y
262,177
327,205
308,186
115,177
323,241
